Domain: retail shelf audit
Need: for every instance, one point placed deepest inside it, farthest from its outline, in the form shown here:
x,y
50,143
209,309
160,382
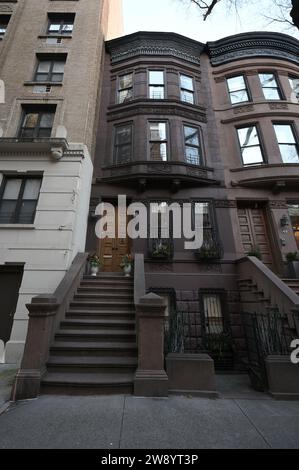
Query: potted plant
x,y
95,264
161,250
126,265
293,264
210,250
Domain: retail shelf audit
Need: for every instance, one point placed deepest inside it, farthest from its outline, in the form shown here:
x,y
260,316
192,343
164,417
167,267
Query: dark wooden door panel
x,y
10,281
254,234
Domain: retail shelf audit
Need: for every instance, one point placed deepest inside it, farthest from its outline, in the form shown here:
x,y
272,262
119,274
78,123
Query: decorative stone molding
x,y
154,44
278,106
225,204
144,107
244,109
261,44
278,204
5,9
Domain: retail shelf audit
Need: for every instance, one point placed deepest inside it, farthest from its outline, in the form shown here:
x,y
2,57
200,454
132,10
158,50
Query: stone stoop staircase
x,y
293,284
251,298
95,350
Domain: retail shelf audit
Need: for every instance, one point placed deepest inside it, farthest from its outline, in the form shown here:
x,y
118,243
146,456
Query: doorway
x,y
254,232
10,282
112,250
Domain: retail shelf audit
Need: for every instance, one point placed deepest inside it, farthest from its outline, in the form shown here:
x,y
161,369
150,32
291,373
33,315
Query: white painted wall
x,y
59,231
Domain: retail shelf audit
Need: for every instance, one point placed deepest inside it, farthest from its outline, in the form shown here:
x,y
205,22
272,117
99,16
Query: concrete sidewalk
x,y
239,419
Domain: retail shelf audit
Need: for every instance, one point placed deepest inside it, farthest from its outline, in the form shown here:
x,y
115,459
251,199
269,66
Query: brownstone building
x,y
180,122
216,123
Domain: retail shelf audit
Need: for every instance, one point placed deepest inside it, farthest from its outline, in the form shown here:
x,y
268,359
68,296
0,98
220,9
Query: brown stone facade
x,y
246,200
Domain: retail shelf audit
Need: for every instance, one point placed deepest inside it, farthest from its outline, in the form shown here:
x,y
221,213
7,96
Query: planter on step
x,y
293,269
191,374
127,270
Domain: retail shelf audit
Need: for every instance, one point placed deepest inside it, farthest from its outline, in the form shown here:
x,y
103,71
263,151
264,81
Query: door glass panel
x,y
30,120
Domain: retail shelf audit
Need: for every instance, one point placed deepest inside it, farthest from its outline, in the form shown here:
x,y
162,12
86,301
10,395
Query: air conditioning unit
x,y
42,89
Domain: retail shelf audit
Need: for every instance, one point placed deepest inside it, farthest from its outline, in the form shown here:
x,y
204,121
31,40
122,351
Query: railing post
x,y
151,378
42,313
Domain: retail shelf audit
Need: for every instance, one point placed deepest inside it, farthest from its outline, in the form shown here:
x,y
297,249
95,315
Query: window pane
x,y
271,94
158,151
12,188
123,154
58,66
268,80
123,135
158,131
56,77
54,27
126,81
192,155
252,155
187,83
67,28
156,77
27,212
157,93
239,96
27,133
236,83
44,66
125,95
191,135
47,120
7,211
289,153
187,96
284,134
294,82
32,188
213,314
42,77
44,132
30,120
248,136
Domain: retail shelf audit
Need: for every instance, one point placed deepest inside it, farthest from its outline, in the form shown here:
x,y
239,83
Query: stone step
x,y
111,297
104,304
114,277
105,289
90,383
110,364
89,348
100,314
99,335
105,324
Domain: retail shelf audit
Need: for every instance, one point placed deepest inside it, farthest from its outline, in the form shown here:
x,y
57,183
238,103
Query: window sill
x,y
43,83
55,36
17,226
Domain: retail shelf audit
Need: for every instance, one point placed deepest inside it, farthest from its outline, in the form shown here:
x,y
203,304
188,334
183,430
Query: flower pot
x,y
127,270
94,270
293,269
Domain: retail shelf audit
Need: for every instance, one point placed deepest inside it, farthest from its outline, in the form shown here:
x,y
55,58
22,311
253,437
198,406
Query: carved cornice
x,y
154,44
257,44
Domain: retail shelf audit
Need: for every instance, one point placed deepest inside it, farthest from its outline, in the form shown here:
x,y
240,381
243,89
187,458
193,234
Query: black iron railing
x,y
266,334
161,248
211,248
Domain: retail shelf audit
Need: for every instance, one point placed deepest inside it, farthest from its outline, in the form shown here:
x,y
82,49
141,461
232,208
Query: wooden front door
x,y
112,250
254,234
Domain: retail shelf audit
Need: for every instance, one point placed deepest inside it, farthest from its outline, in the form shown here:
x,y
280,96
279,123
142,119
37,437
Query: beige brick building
x,y
50,72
